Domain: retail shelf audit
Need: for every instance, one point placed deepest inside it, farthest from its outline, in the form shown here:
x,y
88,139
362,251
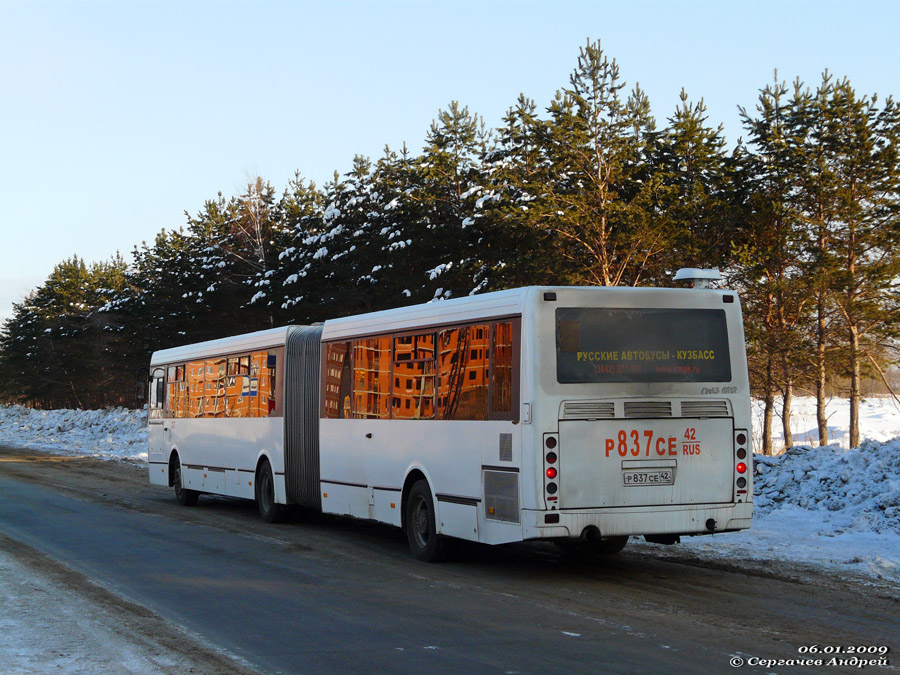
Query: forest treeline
x,y
801,216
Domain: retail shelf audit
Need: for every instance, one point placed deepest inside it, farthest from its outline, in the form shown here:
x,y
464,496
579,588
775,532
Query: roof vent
x,y
701,278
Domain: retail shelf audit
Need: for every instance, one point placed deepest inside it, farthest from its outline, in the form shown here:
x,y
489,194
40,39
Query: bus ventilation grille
x,y
704,408
648,408
588,410
501,496
505,447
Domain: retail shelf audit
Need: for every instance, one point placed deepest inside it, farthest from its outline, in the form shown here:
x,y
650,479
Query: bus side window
x,y
214,405
502,363
157,393
337,380
174,390
274,388
195,382
372,378
414,358
463,358
261,391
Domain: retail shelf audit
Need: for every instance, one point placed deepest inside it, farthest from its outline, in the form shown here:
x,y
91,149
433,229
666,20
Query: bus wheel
x,y
183,496
424,541
269,511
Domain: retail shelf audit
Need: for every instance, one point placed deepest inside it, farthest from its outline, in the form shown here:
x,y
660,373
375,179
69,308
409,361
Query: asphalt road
x,y
327,595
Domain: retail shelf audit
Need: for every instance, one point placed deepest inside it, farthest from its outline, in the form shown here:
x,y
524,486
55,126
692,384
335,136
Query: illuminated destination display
x,y
641,345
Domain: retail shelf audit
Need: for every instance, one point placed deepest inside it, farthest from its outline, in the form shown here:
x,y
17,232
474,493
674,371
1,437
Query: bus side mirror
x,y
141,383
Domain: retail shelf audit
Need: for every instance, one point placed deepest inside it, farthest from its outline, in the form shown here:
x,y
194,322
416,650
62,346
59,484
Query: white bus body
x,y
194,435
570,414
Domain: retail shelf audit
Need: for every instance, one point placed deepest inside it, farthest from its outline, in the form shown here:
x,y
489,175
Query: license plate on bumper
x,y
643,478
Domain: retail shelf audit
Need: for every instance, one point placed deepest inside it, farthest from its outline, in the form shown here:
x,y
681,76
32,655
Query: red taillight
x,y
741,467
551,472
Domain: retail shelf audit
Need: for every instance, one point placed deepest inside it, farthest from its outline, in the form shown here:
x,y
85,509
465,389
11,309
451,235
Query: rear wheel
x,y
183,496
424,541
269,510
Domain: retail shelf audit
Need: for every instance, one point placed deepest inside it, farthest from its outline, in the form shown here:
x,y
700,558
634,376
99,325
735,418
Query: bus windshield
x,y
641,345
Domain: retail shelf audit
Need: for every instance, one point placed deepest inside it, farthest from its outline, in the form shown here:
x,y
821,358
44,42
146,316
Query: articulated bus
x,y
579,415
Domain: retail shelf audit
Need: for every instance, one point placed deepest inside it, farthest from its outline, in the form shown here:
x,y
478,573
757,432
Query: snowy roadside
x,y
830,508
54,620
45,627
113,433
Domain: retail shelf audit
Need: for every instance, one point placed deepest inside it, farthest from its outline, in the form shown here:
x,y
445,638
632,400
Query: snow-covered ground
x,y
830,507
46,627
114,433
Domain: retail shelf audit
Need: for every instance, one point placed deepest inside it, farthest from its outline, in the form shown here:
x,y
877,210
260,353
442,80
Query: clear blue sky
x,y
117,116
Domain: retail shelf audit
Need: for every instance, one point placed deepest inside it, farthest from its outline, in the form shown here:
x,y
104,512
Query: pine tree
x,y
300,217
451,177
56,349
690,169
862,142
815,197
770,275
599,204
514,202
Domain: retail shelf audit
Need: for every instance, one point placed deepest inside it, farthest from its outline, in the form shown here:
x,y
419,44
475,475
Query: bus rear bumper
x,y
674,520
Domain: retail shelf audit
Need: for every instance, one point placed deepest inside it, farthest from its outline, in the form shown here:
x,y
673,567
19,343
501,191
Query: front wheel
x,y
424,541
183,496
269,510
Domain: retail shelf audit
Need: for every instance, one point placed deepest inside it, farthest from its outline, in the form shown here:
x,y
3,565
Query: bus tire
x,y
269,510
421,533
183,496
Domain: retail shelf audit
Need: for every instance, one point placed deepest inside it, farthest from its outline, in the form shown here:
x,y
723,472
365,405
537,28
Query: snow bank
x,y
855,490
113,433
827,507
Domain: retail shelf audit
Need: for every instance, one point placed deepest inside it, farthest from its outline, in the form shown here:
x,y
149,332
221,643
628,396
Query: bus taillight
x,y
741,437
551,441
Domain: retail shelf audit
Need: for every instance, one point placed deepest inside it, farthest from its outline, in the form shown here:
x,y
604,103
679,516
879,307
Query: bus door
x,y
157,431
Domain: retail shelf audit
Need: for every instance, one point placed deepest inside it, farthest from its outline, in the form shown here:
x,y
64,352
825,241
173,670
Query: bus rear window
x,y
641,345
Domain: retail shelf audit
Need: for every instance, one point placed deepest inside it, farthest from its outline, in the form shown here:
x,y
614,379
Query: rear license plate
x,y
652,477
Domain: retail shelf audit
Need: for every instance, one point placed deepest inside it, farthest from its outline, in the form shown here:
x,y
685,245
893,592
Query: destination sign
x,y
641,345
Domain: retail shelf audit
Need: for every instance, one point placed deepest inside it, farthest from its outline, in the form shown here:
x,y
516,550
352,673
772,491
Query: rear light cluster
x,y
741,467
551,469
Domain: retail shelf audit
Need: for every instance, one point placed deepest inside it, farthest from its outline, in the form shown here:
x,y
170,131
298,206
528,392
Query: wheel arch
x,y
174,457
278,479
413,476
263,456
